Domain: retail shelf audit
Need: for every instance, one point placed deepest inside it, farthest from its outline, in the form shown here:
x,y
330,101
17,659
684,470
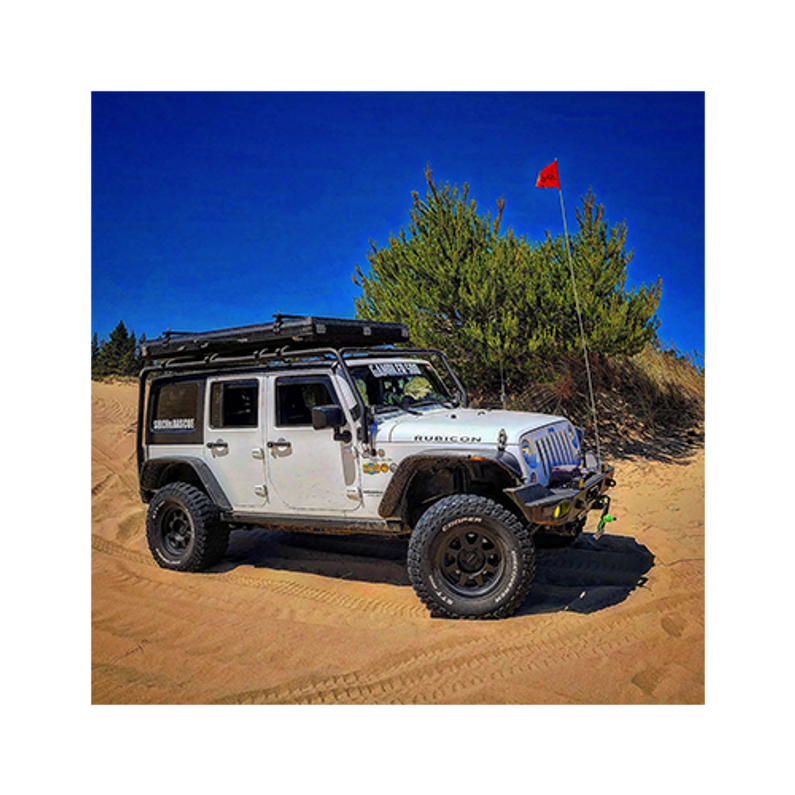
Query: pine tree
x,y
95,349
499,304
118,355
430,276
616,321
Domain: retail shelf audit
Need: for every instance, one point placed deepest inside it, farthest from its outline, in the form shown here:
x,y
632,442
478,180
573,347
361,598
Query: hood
x,y
473,426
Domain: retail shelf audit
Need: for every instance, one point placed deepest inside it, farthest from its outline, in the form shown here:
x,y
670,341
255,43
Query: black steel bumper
x,y
557,506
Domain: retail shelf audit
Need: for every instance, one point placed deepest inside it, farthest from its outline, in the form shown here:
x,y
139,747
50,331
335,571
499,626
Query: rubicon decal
x,y
453,439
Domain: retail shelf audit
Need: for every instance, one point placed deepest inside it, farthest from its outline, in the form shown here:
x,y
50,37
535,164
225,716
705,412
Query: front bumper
x,y
558,506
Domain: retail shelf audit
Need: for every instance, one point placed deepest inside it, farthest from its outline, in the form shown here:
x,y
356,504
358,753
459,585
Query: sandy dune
x,y
291,618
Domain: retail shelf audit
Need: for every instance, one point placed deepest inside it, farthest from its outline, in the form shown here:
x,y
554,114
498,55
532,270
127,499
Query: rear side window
x,y
234,404
175,412
176,407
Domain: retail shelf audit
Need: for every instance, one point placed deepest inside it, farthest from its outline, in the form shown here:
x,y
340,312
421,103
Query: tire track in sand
x,y
447,669
290,588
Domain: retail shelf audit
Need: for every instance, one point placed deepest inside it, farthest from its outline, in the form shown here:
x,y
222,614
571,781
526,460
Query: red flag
x,y
548,177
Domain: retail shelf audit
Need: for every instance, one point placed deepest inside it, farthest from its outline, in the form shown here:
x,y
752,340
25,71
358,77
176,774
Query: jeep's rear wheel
x,y
471,558
184,530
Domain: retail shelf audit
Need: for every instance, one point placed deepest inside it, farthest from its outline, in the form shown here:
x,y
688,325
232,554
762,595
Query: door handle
x,y
220,444
281,443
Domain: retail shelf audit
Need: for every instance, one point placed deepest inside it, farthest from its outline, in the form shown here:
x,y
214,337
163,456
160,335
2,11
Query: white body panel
x,y
309,471
461,426
240,466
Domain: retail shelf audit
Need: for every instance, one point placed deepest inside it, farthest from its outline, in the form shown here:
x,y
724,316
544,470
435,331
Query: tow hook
x,y
605,518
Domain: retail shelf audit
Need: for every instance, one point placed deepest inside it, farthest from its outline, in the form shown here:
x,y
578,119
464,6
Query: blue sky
x,y
219,209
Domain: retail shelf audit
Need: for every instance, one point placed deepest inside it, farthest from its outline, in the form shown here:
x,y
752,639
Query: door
x,y
234,439
309,469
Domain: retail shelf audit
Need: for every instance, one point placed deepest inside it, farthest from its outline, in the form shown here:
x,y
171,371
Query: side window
x,y
234,404
296,397
175,414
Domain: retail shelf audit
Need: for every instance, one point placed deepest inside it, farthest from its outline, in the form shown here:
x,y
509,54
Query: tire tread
x,y
461,504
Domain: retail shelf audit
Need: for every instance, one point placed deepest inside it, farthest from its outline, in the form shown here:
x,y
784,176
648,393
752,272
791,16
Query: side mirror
x,y
327,417
330,417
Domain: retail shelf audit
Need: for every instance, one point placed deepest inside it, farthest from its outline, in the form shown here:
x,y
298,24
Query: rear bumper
x,y
558,506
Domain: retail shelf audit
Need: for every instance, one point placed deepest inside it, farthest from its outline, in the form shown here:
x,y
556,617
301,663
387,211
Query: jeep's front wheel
x,y
471,558
184,530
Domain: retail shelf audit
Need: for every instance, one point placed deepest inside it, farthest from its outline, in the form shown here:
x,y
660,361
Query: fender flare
x,y
152,469
395,492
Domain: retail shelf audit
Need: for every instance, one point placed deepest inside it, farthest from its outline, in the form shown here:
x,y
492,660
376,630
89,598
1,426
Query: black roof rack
x,y
291,331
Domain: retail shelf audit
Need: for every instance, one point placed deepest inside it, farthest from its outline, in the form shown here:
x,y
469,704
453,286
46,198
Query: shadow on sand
x,y
670,447
587,576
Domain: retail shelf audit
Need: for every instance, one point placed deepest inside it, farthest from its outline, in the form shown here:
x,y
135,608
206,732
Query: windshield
x,y
399,384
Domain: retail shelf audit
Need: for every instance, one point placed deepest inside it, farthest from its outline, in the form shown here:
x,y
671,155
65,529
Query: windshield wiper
x,y
380,409
404,404
446,402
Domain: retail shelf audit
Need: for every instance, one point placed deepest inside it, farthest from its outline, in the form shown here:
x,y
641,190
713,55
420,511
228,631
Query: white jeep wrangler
x,y
322,425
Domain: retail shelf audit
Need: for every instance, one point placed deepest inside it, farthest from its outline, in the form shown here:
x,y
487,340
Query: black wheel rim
x,y
176,530
471,560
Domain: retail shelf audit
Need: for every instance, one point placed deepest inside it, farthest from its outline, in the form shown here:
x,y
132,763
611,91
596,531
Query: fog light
x,y
562,509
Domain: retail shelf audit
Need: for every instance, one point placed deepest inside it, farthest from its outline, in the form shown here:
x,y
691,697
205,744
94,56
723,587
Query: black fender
x,y
152,471
392,502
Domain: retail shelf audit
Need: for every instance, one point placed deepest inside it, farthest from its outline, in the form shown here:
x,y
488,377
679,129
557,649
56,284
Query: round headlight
x,y
529,453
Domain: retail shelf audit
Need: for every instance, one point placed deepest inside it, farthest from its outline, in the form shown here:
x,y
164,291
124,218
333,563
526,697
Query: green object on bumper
x,y
604,520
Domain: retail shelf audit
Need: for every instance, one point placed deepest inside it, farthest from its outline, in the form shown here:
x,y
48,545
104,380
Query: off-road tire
x,y
184,530
471,558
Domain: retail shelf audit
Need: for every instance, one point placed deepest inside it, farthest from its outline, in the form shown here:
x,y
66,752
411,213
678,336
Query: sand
x,y
290,618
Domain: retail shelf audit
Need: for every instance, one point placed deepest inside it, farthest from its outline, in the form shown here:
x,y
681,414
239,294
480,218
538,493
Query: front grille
x,y
555,449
